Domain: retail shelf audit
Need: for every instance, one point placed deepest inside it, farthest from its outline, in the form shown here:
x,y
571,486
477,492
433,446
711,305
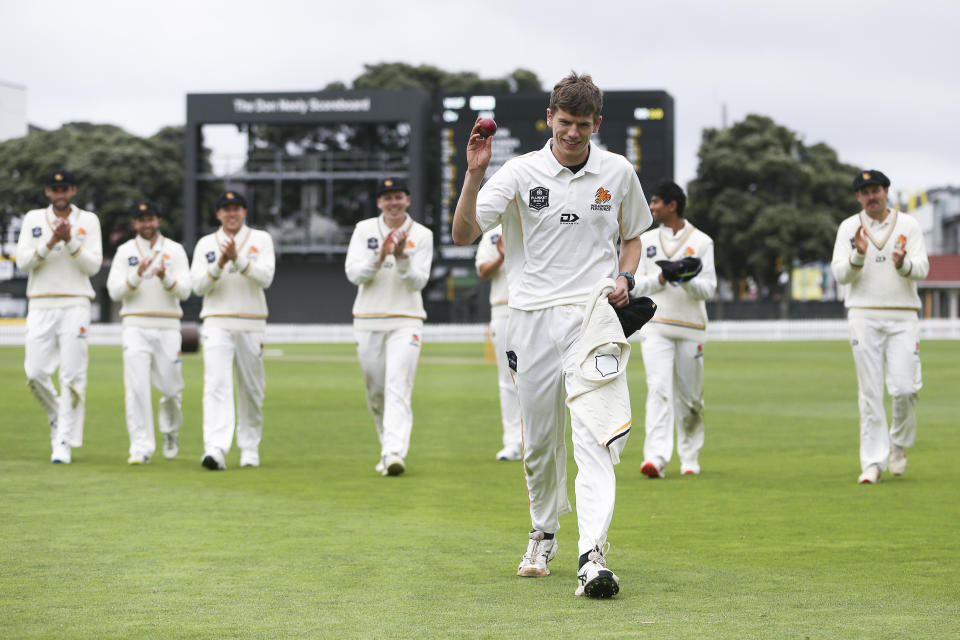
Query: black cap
x,y
61,178
391,184
870,176
231,197
145,207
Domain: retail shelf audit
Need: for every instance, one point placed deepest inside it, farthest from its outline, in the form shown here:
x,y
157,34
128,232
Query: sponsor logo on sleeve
x,y
601,200
36,232
211,256
539,198
651,251
373,243
133,261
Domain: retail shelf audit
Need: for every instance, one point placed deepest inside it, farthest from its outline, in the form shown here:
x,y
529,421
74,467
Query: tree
x,y
114,169
767,199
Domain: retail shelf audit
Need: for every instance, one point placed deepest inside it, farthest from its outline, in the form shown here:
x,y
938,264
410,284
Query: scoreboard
x,y
636,124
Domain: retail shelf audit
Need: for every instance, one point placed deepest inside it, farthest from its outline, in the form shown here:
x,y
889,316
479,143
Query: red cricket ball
x,y
487,127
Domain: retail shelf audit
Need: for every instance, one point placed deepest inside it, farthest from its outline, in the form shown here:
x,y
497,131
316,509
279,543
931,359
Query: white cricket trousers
x,y
388,360
57,338
509,405
151,356
674,400
545,343
225,352
886,350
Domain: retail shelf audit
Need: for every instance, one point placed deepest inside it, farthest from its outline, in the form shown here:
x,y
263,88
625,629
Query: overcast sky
x,y
878,81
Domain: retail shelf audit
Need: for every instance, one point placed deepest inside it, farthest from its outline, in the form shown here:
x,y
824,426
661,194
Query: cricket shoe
x,y
594,578
138,459
213,460
61,453
509,453
392,465
870,476
171,445
540,551
898,460
651,469
249,459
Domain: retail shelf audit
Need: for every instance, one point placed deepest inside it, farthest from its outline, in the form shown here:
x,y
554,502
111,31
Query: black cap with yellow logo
x,y
870,176
231,197
147,208
61,178
391,184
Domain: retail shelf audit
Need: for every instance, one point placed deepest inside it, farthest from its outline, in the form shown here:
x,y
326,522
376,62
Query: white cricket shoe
x,y
213,460
509,453
651,469
540,551
870,476
61,453
690,470
595,579
249,459
898,460
392,465
138,459
171,445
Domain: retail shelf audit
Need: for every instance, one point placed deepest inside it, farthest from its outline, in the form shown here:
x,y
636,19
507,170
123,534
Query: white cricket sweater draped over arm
x,y
597,391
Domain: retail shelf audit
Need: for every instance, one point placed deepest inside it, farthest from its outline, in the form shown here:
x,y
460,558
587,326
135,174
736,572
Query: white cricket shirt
x,y
871,286
560,229
233,297
487,252
147,300
59,277
681,308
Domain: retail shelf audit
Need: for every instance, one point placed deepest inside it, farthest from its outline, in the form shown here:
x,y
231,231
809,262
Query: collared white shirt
x,y
559,229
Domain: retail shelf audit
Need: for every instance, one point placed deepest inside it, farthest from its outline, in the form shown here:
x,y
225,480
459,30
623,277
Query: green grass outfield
x,y
774,540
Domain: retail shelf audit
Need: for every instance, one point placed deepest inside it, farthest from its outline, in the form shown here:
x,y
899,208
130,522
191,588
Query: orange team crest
x,y
901,241
689,251
410,244
253,250
603,196
81,231
166,256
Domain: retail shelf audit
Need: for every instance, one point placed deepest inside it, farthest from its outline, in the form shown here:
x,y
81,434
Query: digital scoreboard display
x,y
636,124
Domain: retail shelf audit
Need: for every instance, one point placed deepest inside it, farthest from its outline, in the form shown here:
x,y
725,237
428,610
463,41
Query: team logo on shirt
x,y
539,198
569,218
373,243
36,232
689,251
601,198
853,244
133,261
211,256
651,251
901,242
495,238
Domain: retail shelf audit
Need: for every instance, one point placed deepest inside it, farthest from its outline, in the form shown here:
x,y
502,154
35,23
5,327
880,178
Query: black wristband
x,y
630,280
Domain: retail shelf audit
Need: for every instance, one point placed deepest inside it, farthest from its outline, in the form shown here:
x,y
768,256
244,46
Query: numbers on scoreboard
x,y
648,113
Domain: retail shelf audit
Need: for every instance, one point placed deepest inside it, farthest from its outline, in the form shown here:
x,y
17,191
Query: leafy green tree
x,y
114,168
767,199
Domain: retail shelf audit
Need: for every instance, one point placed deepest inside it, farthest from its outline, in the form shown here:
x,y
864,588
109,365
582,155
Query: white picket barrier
x,y
12,333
